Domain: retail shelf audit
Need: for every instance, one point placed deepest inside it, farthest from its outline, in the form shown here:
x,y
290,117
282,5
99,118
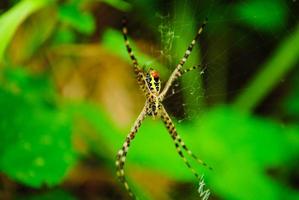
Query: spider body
x,y
153,81
154,108
150,84
154,85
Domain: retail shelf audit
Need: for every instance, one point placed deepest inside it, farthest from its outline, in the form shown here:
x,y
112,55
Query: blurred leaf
x,y
35,141
291,103
264,15
250,146
51,195
64,35
14,1
284,58
10,20
154,149
112,40
109,141
180,44
119,4
81,21
142,152
97,118
35,89
31,37
225,139
228,141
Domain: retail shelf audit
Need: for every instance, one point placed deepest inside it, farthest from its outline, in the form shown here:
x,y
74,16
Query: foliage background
x,y
68,98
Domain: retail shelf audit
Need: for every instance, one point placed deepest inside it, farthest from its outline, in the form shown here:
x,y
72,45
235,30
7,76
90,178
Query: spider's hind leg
x,y
181,142
178,140
180,152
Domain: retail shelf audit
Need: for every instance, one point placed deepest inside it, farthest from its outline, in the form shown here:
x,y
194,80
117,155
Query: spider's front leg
x,y
122,153
141,79
177,72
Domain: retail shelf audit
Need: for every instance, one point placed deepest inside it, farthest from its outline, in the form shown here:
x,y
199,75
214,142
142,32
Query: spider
x,y
150,84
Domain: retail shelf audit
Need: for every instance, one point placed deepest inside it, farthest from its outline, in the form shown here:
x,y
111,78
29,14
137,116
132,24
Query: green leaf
x,y
144,149
64,35
107,140
241,149
265,15
55,194
10,20
284,58
31,38
119,4
291,103
81,21
229,142
113,39
154,149
35,140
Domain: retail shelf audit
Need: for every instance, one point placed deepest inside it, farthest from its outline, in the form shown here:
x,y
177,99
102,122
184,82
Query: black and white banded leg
x,y
122,153
176,72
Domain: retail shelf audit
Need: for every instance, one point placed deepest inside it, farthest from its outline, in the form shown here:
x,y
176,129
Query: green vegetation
x,y
68,98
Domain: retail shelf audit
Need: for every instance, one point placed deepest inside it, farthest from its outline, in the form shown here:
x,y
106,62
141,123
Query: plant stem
x,y
282,61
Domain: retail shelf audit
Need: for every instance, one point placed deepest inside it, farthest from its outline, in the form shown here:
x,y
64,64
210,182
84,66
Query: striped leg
x,y
141,79
129,49
183,71
176,72
173,133
176,137
191,45
181,142
122,153
180,152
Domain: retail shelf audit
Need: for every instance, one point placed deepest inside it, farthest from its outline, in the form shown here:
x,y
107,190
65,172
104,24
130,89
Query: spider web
x,y
224,47
233,48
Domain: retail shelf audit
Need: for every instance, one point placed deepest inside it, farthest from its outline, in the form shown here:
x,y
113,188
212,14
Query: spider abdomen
x,y
154,107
